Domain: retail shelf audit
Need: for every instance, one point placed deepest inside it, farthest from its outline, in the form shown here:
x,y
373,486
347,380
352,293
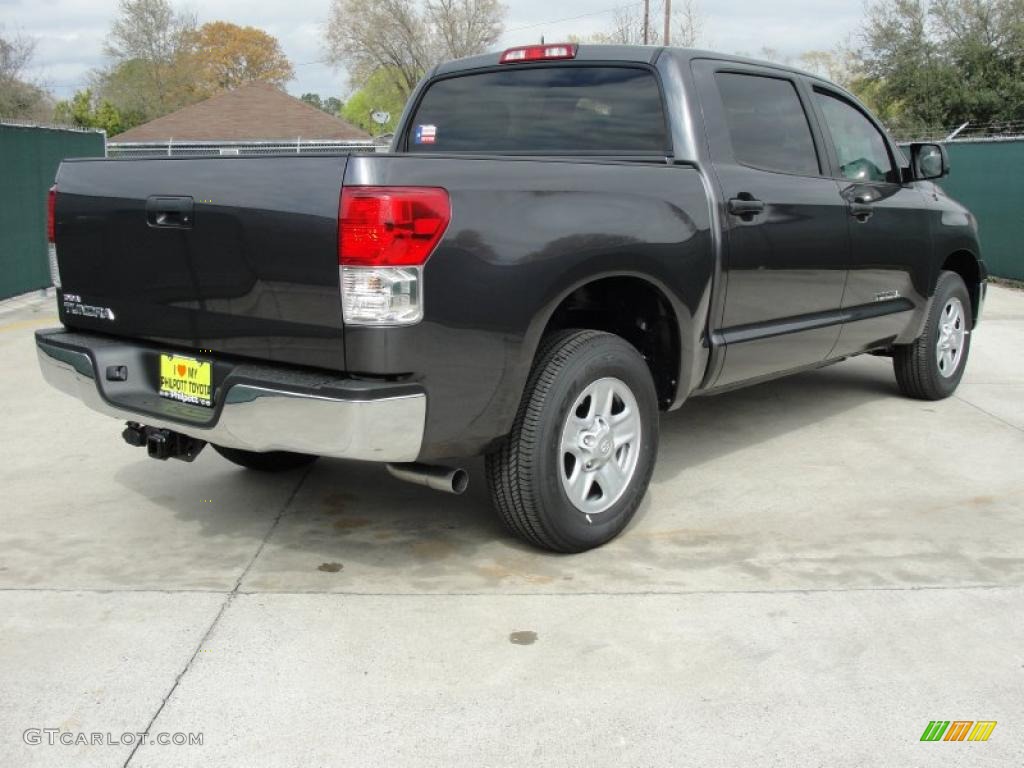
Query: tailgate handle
x,y
170,212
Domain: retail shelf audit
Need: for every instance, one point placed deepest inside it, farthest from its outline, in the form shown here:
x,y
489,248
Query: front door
x,y
785,225
890,242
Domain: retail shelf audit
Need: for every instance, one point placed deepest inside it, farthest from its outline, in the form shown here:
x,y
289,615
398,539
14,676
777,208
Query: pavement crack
x,y
228,599
988,413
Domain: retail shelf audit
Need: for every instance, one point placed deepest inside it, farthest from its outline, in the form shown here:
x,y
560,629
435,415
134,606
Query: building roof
x,y
252,112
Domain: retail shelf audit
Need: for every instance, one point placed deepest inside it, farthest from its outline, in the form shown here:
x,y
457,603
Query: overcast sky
x,y
70,32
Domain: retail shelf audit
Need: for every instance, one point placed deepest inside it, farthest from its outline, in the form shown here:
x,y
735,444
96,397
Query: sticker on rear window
x,y
426,134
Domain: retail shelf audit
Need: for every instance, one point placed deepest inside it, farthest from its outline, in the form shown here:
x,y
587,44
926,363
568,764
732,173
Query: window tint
x,y
546,109
767,124
862,152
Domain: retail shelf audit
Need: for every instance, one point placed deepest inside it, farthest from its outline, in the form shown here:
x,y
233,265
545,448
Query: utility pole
x,y
668,21
647,20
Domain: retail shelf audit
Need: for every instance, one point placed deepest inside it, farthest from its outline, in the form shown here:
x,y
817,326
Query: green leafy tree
x,y
928,65
313,99
332,105
379,94
85,111
127,86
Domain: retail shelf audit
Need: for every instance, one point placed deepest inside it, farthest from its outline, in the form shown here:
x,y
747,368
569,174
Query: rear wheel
x,y
270,461
574,469
931,367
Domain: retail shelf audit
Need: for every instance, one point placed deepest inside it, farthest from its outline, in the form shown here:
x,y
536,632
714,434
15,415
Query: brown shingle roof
x,y
255,111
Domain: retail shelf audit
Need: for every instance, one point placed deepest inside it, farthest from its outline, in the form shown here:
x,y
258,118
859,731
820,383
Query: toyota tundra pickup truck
x,y
563,241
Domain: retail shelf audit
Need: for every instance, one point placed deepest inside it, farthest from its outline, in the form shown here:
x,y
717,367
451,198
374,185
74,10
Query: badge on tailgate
x,y
186,379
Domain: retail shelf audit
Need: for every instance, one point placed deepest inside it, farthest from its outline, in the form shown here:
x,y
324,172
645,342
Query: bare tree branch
x,y
406,39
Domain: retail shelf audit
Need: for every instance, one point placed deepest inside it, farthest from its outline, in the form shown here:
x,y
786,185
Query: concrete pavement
x,y
821,568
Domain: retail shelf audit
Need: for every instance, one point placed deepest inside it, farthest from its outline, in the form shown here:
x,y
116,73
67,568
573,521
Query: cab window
x,y
860,147
767,125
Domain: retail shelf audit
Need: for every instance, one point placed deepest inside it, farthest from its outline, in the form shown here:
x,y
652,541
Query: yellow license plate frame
x,y
186,380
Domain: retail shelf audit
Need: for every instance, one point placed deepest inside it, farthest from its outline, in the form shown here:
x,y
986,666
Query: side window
x,y
862,151
767,124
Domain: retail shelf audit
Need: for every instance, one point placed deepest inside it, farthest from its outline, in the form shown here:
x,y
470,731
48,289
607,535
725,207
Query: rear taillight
x,y
51,207
390,226
385,235
51,235
538,53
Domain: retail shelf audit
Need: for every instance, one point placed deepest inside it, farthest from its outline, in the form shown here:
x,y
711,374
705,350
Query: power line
x,y
573,18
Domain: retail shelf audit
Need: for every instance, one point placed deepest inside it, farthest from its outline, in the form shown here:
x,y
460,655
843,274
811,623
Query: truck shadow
x,y
351,526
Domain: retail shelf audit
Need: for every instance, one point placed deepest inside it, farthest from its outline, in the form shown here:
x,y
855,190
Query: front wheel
x,y
270,461
931,367
574,469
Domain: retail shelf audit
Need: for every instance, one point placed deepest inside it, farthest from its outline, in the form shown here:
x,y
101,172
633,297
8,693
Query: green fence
x,y
988,177
29,157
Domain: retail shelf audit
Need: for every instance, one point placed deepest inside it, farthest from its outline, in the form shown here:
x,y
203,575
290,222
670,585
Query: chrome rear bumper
x,y
372,424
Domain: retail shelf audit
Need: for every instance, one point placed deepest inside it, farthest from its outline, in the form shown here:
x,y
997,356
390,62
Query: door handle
x,y
860,211
745,207
169,212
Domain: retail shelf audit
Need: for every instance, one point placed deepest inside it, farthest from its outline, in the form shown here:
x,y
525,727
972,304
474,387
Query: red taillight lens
x,y
538,53
390,226
51,207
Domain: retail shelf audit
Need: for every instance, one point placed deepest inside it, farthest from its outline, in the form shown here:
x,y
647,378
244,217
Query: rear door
x,y
888,224
785,241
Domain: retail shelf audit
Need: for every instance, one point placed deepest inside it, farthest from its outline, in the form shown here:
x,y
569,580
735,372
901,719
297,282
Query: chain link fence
x,y
1008,130
173,148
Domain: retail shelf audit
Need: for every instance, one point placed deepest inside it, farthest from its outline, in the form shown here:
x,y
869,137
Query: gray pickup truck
x,y
563,241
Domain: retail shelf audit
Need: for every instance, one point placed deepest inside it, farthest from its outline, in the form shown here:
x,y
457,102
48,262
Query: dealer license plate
x,y
186,379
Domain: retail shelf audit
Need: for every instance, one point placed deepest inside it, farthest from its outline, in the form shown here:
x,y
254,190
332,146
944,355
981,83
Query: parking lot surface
x,y
820,569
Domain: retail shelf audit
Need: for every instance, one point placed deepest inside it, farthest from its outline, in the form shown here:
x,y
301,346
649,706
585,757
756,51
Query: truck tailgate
x,y
232,255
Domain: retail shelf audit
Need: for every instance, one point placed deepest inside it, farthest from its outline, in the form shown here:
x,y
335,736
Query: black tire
x,y
917,365
271,461
524,473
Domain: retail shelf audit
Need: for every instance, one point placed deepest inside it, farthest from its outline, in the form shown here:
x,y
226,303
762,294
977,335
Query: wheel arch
x,y
966,264
635,306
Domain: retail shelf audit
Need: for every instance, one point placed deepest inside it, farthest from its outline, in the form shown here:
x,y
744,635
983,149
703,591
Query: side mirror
x,y
928,161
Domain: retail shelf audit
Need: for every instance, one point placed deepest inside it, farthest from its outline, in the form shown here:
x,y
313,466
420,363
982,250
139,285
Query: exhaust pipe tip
x,y
460,481
454,480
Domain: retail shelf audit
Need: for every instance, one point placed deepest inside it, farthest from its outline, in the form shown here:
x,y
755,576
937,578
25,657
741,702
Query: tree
x,y
405,39
380,94
932,65
332,105
689,28
19,98
838,65
313,99
225,56
159,61
85,111
128,87
465,27
627,27
152,33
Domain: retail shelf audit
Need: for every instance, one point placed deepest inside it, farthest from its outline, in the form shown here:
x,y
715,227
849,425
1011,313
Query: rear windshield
x,y
542,110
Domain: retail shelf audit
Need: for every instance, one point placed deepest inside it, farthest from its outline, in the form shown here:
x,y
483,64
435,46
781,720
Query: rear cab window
x,y
543,110
767,124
